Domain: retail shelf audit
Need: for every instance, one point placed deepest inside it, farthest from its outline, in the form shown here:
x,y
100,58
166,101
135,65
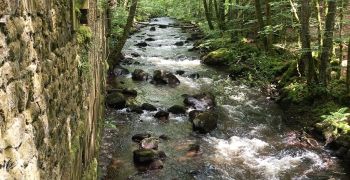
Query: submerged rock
x,y
120,71
218,57
157,164
193,114
116,100
205,122
180,72
150,143
177,109
139,75
164,77
135,109
139,137
145,155
148,107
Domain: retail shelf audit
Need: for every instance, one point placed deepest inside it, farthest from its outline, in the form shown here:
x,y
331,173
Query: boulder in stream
x,y
135,54
180,72
116,100
193,114
177,109
180,43
139,75
141,44
135,109
149,39
139,137
162,115
120,71
205,122
162,26
148,107
152,28
150,143
129,92
164,77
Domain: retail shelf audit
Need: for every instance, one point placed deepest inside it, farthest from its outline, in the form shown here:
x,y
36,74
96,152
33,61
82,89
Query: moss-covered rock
x,y
145,155
218,57
116,100
205,122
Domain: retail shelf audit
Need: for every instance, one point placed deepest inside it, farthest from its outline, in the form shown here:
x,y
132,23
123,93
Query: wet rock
x,y
139,75
162,115
200,101
180,72
177,109
148,107
150,143
162,155
134,54
193,114
141,44
150,39
205,122
145,155
217,58
164,77
152,28
164,137
116,100
139,137
135,109
180,43
130,92
194,76
157,164
162,26
120,71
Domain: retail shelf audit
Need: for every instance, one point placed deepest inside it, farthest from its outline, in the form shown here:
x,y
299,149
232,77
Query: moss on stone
x,y
218,57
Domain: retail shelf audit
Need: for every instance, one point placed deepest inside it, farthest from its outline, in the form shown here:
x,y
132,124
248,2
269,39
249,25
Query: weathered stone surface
x,y
148,107
50,103
162,115
139,75
145,155
217,58
150,143
165,77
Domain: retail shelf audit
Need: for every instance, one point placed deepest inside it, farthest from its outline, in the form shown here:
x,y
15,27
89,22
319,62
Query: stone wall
x,y
51,90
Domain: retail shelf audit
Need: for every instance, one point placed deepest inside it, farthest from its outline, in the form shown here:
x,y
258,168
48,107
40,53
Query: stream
x,y
250,142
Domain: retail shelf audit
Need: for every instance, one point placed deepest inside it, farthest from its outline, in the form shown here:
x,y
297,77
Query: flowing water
x,y
251,141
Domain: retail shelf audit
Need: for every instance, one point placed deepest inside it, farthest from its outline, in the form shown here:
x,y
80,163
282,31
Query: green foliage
x,y
336,122
119,18
84,35
102,4
297,92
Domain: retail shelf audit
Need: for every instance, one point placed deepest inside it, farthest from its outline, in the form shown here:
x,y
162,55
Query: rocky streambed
x,y
170,117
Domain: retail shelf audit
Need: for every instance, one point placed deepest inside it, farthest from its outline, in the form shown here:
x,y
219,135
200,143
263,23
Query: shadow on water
x,y
251,142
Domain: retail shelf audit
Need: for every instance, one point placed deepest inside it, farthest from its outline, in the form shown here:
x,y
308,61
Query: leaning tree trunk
x,y
327,41
121,42
306,56
259,16
208,15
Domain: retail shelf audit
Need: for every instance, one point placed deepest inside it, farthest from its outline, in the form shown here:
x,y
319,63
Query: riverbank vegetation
x,y
296,51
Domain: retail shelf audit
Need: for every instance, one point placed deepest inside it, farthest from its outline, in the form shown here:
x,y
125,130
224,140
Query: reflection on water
x,y
250,142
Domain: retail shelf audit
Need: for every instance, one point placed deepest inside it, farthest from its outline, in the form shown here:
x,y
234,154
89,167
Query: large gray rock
x,y
150,143
201,101
205,122
140,137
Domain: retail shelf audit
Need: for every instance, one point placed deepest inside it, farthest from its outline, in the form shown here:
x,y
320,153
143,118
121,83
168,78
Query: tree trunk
x,y
230,11
306,56
259,16
319,25
327,41
121,41
348,69
221,7
217,14
268,23
207,14
341,18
